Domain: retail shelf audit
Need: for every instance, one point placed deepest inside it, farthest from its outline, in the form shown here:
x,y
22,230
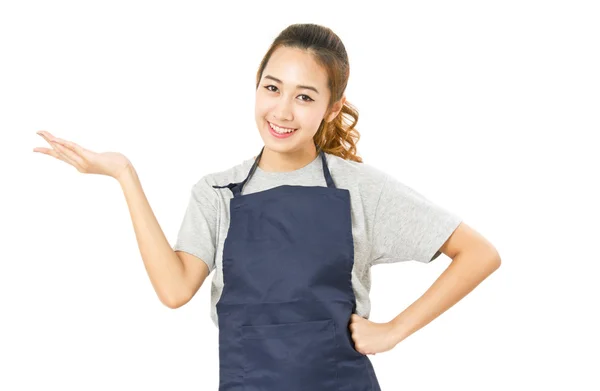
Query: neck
x,y
273,161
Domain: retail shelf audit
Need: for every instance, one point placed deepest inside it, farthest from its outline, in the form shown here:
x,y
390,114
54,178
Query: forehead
x,y
296,66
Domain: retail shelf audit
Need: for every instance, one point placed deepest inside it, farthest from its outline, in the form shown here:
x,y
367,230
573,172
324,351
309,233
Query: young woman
x,y
292,233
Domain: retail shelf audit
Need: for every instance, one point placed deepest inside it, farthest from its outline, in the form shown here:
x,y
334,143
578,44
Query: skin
x,y
283,103
286,105
473,260
473,257
112,164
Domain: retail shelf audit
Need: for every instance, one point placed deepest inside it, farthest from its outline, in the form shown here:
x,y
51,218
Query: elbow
x,y
495,258
170,304
172,301
491,257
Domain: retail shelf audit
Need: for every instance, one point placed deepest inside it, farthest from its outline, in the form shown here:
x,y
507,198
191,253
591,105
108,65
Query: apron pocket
x,y
291,356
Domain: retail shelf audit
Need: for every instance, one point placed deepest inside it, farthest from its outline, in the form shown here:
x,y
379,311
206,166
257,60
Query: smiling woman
x,y
287,116
300,102
292,233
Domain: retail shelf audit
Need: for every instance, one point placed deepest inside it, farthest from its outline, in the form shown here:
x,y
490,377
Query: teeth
x,y
281,130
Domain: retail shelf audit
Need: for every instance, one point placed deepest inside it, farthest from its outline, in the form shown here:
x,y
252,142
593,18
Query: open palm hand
x,y
112,164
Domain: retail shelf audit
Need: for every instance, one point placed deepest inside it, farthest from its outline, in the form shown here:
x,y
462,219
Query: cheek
x,y
260,114
313,118
262,107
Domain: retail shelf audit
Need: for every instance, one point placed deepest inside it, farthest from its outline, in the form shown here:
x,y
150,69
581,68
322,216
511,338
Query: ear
x,y
335,110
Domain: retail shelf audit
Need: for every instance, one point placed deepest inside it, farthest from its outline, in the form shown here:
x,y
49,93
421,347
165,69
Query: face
x,y
292,94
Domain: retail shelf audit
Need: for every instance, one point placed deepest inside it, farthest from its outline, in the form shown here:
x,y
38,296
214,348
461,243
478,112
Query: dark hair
x,y
338,137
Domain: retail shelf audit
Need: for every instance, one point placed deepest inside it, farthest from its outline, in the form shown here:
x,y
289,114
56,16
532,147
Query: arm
x,y
473,260
175,276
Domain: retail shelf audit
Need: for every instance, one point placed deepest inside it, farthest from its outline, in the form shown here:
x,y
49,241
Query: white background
x,y
487,108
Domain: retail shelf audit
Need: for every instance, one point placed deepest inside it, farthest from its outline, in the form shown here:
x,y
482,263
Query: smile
x,y
281,130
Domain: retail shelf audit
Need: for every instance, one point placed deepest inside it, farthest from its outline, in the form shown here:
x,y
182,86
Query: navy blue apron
x,y
287,298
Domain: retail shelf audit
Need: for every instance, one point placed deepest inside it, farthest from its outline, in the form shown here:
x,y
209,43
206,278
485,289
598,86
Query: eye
x,y
309,99
267,87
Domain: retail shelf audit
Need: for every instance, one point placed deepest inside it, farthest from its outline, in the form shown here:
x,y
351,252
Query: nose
x,y
283,111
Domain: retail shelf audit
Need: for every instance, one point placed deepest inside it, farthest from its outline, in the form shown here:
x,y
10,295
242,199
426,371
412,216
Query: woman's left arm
x,y
473,260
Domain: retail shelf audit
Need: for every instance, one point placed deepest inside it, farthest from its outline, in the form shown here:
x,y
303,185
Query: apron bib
x,y
287,293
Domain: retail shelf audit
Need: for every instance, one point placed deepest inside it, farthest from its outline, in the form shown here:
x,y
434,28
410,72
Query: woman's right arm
x,y
175,276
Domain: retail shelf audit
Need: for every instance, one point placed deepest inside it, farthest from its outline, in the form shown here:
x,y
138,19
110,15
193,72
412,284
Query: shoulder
x,y
232,174
355,174
367,175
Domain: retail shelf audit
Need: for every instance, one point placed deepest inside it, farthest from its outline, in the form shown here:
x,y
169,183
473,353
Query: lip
x,y
279,135
279,126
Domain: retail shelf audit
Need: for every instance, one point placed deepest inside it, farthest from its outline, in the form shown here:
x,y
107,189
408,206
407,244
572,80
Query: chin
x,y
279,147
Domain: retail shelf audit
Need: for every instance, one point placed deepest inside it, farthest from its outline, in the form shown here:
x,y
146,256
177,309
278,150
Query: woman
x,y
292,234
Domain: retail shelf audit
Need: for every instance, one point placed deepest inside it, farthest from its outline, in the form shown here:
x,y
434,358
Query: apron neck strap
x,y
326,173
237,190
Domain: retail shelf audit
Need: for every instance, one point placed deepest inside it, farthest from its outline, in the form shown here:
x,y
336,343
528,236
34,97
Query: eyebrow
x,y
298,86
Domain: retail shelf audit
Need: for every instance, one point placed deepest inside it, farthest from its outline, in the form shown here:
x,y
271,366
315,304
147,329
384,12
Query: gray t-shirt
x,y
390,221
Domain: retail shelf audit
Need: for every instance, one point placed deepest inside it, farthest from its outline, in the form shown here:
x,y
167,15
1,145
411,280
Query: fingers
x,y
67,144
46,135
70,156
59,151
48,151
353,322
72,146
52,152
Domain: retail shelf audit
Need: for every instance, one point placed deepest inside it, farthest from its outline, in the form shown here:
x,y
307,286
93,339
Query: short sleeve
x,y
198,231
408,226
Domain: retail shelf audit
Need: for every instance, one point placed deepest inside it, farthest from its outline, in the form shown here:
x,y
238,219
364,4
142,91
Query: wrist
x,y
125,174
398,330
